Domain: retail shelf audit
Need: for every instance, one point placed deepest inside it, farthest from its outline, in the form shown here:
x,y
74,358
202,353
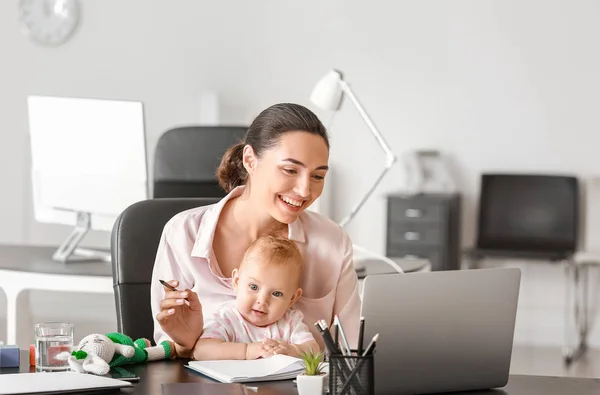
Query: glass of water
x,y
52,338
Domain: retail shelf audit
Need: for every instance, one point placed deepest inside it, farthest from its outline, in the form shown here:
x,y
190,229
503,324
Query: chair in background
x,y
578,290
134,242
527,217
187,158
531,217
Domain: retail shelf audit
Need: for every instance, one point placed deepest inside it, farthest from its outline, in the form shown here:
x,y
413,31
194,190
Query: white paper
x,y
55,382
277,367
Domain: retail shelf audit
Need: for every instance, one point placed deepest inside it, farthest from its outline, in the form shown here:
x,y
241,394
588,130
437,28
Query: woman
x,y
272,177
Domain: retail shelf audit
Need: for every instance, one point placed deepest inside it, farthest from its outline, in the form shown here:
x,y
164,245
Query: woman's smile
x,y
293,205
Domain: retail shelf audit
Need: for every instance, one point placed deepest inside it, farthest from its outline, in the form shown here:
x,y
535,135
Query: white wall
x,y
498,85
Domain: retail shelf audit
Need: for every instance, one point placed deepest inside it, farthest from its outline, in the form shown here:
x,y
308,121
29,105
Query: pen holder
x,y
351,375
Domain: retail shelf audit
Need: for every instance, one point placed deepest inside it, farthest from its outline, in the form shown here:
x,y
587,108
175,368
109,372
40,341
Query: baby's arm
x,y
218,349
218,341
300,339
215,349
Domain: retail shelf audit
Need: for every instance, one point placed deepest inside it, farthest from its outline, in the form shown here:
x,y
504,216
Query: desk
x,y
24,268
154,374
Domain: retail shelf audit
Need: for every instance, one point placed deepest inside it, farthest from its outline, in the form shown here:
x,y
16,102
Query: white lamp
x,y
328,94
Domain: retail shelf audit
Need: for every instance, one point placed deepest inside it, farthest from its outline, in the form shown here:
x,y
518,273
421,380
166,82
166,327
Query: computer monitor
x,y
88,163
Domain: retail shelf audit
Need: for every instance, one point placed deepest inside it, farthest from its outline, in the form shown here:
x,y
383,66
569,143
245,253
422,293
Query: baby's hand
x,y
257,350
283,348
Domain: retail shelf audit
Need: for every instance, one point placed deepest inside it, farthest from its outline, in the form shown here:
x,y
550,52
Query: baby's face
x,y
265,291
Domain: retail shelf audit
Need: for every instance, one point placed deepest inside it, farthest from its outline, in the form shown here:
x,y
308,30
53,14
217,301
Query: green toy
x,y
97,353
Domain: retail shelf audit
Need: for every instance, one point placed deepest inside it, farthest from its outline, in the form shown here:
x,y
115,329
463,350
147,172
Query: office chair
x,y
578,285
531,217
527,217
186,160
134,242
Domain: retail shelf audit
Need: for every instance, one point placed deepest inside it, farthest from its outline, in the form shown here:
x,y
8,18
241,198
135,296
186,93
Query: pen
x,y
172,288
361,335
332,349
345,346
359,364
336,331
328,340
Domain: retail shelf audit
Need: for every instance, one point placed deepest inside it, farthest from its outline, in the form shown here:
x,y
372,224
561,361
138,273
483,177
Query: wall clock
x,y
49,22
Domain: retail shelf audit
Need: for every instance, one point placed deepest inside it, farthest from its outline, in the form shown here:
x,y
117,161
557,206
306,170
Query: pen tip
x,y
362,318
376,337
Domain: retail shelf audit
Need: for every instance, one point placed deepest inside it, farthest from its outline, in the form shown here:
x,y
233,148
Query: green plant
x,y
312,363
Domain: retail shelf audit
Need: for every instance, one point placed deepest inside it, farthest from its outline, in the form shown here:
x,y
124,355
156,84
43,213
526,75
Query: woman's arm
x,y
181,323
347,299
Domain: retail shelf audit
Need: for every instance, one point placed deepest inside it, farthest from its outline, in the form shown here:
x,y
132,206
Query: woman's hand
x,y
181,320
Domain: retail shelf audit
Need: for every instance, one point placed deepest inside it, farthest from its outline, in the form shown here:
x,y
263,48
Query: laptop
x,y
441,331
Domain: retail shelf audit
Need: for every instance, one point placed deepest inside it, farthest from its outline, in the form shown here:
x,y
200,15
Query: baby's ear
x,y
235,279
296,296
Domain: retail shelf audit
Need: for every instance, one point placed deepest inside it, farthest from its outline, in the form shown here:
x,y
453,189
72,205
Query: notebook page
x,y
228,370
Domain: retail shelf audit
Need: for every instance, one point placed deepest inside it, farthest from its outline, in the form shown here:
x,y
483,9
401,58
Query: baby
x,y
260,322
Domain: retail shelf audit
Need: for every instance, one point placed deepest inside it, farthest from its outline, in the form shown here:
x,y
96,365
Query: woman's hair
x,y
264,133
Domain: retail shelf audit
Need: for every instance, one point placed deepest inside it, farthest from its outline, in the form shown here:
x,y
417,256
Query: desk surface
x,y
154,374
38,259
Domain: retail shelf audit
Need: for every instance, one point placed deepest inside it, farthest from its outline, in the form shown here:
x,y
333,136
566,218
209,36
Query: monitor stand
x,y
69,252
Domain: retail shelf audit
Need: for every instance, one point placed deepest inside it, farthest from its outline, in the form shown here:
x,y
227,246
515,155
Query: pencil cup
x,y
351,375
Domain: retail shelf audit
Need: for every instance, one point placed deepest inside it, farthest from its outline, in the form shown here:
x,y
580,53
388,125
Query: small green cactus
x,y
312,363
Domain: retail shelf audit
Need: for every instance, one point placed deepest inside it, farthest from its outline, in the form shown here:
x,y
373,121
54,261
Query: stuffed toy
x,y
97,353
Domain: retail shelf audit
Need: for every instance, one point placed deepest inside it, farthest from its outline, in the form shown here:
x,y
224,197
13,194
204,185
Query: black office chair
x,y
187,158
134,242
528,217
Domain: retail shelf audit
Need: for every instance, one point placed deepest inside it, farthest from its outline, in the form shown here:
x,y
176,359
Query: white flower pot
x,y
312,385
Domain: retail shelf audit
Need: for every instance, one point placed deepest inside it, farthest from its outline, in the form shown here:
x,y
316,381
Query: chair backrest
x,y
592,216
134,242
187,158
529,213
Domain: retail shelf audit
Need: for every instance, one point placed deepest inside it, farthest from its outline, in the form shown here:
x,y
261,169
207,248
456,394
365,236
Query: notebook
x,y
203,388
277,367
56,382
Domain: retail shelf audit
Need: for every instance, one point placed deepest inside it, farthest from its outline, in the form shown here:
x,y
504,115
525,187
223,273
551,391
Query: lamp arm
x,y
390,157
385,259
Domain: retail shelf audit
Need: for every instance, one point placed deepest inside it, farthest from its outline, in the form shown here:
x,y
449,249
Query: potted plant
x,y
313,380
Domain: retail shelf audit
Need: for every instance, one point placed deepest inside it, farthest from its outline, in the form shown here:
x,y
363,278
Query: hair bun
x,y
231,172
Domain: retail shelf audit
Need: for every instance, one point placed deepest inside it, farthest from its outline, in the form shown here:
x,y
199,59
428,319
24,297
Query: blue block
x,y
9,356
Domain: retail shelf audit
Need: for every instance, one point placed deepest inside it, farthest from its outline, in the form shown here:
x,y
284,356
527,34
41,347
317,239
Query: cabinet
x,y
425,226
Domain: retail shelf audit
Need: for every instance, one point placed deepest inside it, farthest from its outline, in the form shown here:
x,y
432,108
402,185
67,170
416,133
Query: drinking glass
x,y
52,338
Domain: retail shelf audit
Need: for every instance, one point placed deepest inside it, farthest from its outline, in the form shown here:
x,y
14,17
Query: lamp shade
x,y
328,94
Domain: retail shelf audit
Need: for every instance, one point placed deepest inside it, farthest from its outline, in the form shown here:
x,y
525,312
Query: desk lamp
x,y
328,94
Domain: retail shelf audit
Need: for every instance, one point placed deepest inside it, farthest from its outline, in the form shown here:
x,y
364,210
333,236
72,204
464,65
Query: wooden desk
x,y
24,268
154,374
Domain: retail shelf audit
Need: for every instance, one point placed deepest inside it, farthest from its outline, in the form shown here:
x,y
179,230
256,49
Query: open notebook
x,y
277,367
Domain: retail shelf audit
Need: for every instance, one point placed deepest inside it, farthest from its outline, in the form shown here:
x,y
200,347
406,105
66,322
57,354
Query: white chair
x,y
578,275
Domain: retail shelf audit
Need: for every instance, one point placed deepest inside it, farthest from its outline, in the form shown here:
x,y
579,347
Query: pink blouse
x,y
329,281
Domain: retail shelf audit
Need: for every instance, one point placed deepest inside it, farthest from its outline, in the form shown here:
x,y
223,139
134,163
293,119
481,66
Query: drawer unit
x,y
415,234
425,226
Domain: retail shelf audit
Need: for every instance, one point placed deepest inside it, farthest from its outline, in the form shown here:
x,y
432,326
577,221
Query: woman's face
x,y
287,178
